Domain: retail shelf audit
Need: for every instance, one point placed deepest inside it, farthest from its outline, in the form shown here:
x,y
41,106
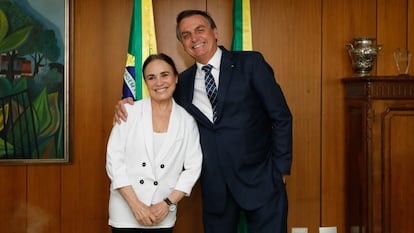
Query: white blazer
x,y
130,160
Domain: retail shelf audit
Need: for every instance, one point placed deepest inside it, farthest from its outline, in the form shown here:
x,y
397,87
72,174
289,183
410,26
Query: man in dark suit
x,y
245,132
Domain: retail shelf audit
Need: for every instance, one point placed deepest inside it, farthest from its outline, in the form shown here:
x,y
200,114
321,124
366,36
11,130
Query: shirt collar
x,y
214,61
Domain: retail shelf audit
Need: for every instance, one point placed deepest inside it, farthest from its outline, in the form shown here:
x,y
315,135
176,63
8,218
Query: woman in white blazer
x,y
154,158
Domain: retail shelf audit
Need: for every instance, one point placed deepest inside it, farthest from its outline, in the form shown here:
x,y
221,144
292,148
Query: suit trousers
x,y
269,218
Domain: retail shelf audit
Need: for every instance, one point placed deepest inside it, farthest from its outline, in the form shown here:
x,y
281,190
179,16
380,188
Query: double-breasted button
x,y
155,183
141,181
162,166
144,164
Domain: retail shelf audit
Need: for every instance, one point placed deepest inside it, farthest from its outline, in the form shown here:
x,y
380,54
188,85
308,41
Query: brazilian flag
x,y
142,43
242,30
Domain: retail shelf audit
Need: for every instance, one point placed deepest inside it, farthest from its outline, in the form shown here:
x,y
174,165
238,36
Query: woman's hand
x,y
159,211
141,211
143,215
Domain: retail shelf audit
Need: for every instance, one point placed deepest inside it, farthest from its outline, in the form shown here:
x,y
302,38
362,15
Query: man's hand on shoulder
x,y
120,111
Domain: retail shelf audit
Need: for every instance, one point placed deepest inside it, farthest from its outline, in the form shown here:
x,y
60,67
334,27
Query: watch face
x,y
172,207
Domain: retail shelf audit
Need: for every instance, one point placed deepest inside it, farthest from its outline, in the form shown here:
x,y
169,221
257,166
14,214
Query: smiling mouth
x,y
198,45
161,89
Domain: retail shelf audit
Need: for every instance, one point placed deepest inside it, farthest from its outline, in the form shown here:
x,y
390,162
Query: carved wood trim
x,y
382,87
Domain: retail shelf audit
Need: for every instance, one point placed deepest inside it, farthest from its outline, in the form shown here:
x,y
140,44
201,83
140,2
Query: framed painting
x,y
35,45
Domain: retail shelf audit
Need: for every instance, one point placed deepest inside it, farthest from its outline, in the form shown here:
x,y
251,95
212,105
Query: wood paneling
x,y
303,40
43,198
392,32
165,13
342,21
410,33
13,212
288,33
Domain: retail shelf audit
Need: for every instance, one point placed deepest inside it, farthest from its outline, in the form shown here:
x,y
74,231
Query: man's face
x,y
197,38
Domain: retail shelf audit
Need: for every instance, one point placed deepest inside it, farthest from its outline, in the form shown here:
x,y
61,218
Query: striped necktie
x,y
211,89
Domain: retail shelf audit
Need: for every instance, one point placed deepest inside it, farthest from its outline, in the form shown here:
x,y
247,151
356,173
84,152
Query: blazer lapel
x,y
148,130
226,74
199,116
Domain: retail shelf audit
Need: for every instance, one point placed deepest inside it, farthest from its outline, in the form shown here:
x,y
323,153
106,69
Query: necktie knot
x,y
207,68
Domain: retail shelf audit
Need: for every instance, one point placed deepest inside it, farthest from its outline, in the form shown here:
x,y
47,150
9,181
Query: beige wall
x,y
304,42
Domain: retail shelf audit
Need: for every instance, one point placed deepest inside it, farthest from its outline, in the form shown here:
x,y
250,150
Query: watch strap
x,y
168,201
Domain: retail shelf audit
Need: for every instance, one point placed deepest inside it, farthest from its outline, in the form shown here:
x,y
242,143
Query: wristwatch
x,y
171,206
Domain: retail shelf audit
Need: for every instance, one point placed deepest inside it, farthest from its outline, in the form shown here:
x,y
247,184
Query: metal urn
x,y
363,53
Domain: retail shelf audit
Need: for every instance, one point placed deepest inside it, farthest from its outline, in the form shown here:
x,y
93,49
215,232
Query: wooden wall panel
x,y
288,33
342,21
89,78
100,47
222,13
43,199
165,13
71,197
410,33
13,212
392,33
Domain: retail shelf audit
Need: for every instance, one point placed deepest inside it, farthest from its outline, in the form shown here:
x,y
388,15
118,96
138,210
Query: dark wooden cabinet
x,y
379,154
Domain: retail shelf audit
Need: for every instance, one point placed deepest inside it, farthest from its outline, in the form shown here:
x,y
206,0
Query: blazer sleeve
x,y
193,156
116,167
275,103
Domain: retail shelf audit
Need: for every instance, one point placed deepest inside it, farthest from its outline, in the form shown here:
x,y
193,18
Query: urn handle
x,y
349,47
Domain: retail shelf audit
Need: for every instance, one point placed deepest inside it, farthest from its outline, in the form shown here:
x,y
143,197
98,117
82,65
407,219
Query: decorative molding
x,y
392,90
383,87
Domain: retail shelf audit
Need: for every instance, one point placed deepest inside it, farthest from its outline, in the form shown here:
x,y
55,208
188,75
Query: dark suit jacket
x,y
250,145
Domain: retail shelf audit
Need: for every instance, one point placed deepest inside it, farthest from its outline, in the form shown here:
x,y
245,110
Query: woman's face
x,y
160,79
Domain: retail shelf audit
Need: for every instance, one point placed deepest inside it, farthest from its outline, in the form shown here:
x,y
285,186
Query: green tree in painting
x,y
40,44
9,42
41,47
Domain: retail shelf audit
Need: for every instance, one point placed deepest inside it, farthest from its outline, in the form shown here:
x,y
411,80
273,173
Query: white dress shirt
x,y
200,98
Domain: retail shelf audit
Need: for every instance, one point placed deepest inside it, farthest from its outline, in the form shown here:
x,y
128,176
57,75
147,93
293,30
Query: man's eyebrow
x,y
196,28
200,26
